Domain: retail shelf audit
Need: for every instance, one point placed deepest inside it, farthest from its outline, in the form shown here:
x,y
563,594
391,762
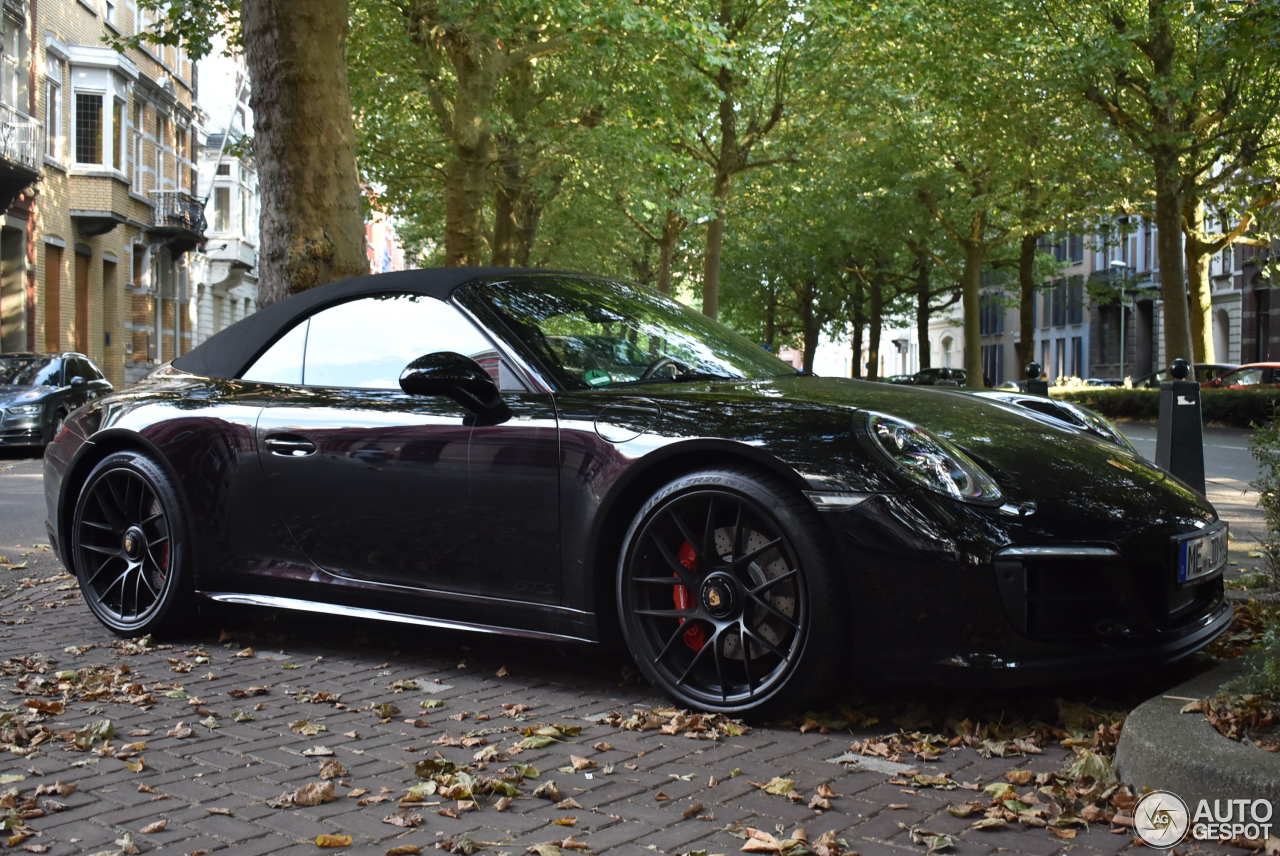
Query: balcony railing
x,y
21,138
178,210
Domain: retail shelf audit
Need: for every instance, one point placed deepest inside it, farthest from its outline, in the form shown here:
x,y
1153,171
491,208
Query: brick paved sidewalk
x,y
256,727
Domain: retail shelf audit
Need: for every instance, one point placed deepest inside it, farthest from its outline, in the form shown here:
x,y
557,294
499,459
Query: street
x,y
257,731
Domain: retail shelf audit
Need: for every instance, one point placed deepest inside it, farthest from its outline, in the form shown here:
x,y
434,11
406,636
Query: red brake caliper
x,y
696,635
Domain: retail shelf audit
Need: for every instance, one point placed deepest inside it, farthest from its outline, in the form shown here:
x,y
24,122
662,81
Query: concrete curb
x,y
1162,749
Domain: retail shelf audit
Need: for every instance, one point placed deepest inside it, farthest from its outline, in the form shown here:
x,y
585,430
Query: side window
x,y
282,362
367,342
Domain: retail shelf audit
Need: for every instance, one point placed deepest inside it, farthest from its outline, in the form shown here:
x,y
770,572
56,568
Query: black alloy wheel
x,y
126,544
725,596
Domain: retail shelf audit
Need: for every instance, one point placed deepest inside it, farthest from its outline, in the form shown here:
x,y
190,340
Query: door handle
x,y
290,446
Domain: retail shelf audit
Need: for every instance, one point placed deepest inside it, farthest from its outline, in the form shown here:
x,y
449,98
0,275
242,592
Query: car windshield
x,y
28,371
596,333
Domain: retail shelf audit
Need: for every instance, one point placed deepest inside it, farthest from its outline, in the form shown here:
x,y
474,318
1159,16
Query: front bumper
x,y
20,434
942,594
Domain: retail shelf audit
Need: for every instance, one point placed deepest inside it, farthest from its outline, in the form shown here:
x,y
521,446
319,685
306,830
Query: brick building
x,y
101,238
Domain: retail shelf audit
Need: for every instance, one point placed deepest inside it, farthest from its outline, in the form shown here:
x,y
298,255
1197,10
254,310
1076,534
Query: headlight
x,y
25,410
932,461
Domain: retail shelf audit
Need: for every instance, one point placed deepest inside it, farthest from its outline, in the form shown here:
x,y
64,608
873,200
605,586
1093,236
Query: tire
x,y
735,563
128,545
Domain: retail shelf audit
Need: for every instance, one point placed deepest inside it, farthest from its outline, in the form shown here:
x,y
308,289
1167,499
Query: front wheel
x,y
128,546
726,596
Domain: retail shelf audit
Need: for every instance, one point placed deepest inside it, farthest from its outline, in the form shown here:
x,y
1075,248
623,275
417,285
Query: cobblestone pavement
x,y
207,735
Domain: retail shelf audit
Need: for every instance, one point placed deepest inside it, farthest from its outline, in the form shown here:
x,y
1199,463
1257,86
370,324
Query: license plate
x,y
1202,555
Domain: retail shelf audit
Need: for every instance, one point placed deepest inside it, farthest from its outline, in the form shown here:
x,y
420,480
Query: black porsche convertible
x,y
567,457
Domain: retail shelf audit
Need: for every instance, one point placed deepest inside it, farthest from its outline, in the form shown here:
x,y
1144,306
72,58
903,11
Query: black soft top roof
x,y
230,352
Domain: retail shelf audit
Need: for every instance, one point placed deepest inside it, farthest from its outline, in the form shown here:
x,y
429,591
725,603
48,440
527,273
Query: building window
x,y
1059,292
135,160
1077,356
1075,300
222,209
223,169
110,12
53,107
89,128
14,73
117,117
991,314
1075,249
993,364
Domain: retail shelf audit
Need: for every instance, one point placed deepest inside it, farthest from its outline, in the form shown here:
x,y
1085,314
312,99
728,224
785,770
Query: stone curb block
x,y
1163,749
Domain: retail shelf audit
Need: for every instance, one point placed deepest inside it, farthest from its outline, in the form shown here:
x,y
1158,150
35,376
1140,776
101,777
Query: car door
x,y
373,483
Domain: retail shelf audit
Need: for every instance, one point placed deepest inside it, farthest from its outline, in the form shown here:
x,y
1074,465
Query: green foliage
x,y
1264,445
1240,408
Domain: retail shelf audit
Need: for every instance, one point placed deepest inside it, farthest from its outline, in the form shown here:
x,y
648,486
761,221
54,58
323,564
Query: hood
x,y
1064,471
14,395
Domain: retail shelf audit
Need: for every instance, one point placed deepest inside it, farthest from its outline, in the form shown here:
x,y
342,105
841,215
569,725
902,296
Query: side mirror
x,y
458,377
77,382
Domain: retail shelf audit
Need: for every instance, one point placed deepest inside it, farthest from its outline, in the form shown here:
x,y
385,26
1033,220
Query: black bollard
x,y
1034,384
1180,435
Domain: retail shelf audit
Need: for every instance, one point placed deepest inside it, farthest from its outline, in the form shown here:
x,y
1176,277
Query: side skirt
x,y
300,605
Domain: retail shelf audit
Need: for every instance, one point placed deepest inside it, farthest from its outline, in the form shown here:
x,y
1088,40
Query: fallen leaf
x,y
404,850
548,791
502,672
310,794
330,840
691,811
602,746
317,751
153,828
988,823
307,728
778,786
579,763
225,812
568,803
332,768
1020,778
180,731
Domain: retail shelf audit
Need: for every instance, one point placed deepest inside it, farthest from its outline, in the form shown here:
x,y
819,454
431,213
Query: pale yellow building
x,y
108,236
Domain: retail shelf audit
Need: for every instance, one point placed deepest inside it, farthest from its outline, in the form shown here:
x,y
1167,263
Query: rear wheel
x,y
725,594
127,543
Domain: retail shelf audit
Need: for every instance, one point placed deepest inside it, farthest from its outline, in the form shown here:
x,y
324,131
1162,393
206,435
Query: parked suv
x,y
39,391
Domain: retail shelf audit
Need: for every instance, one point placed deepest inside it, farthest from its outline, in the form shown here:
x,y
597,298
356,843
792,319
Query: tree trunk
x,y
875,316
770,319
312,218
1173,283
975,252
859,320
1025,347
812,328
924,271
672,228
508,194
1200,296
715,241
466,183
